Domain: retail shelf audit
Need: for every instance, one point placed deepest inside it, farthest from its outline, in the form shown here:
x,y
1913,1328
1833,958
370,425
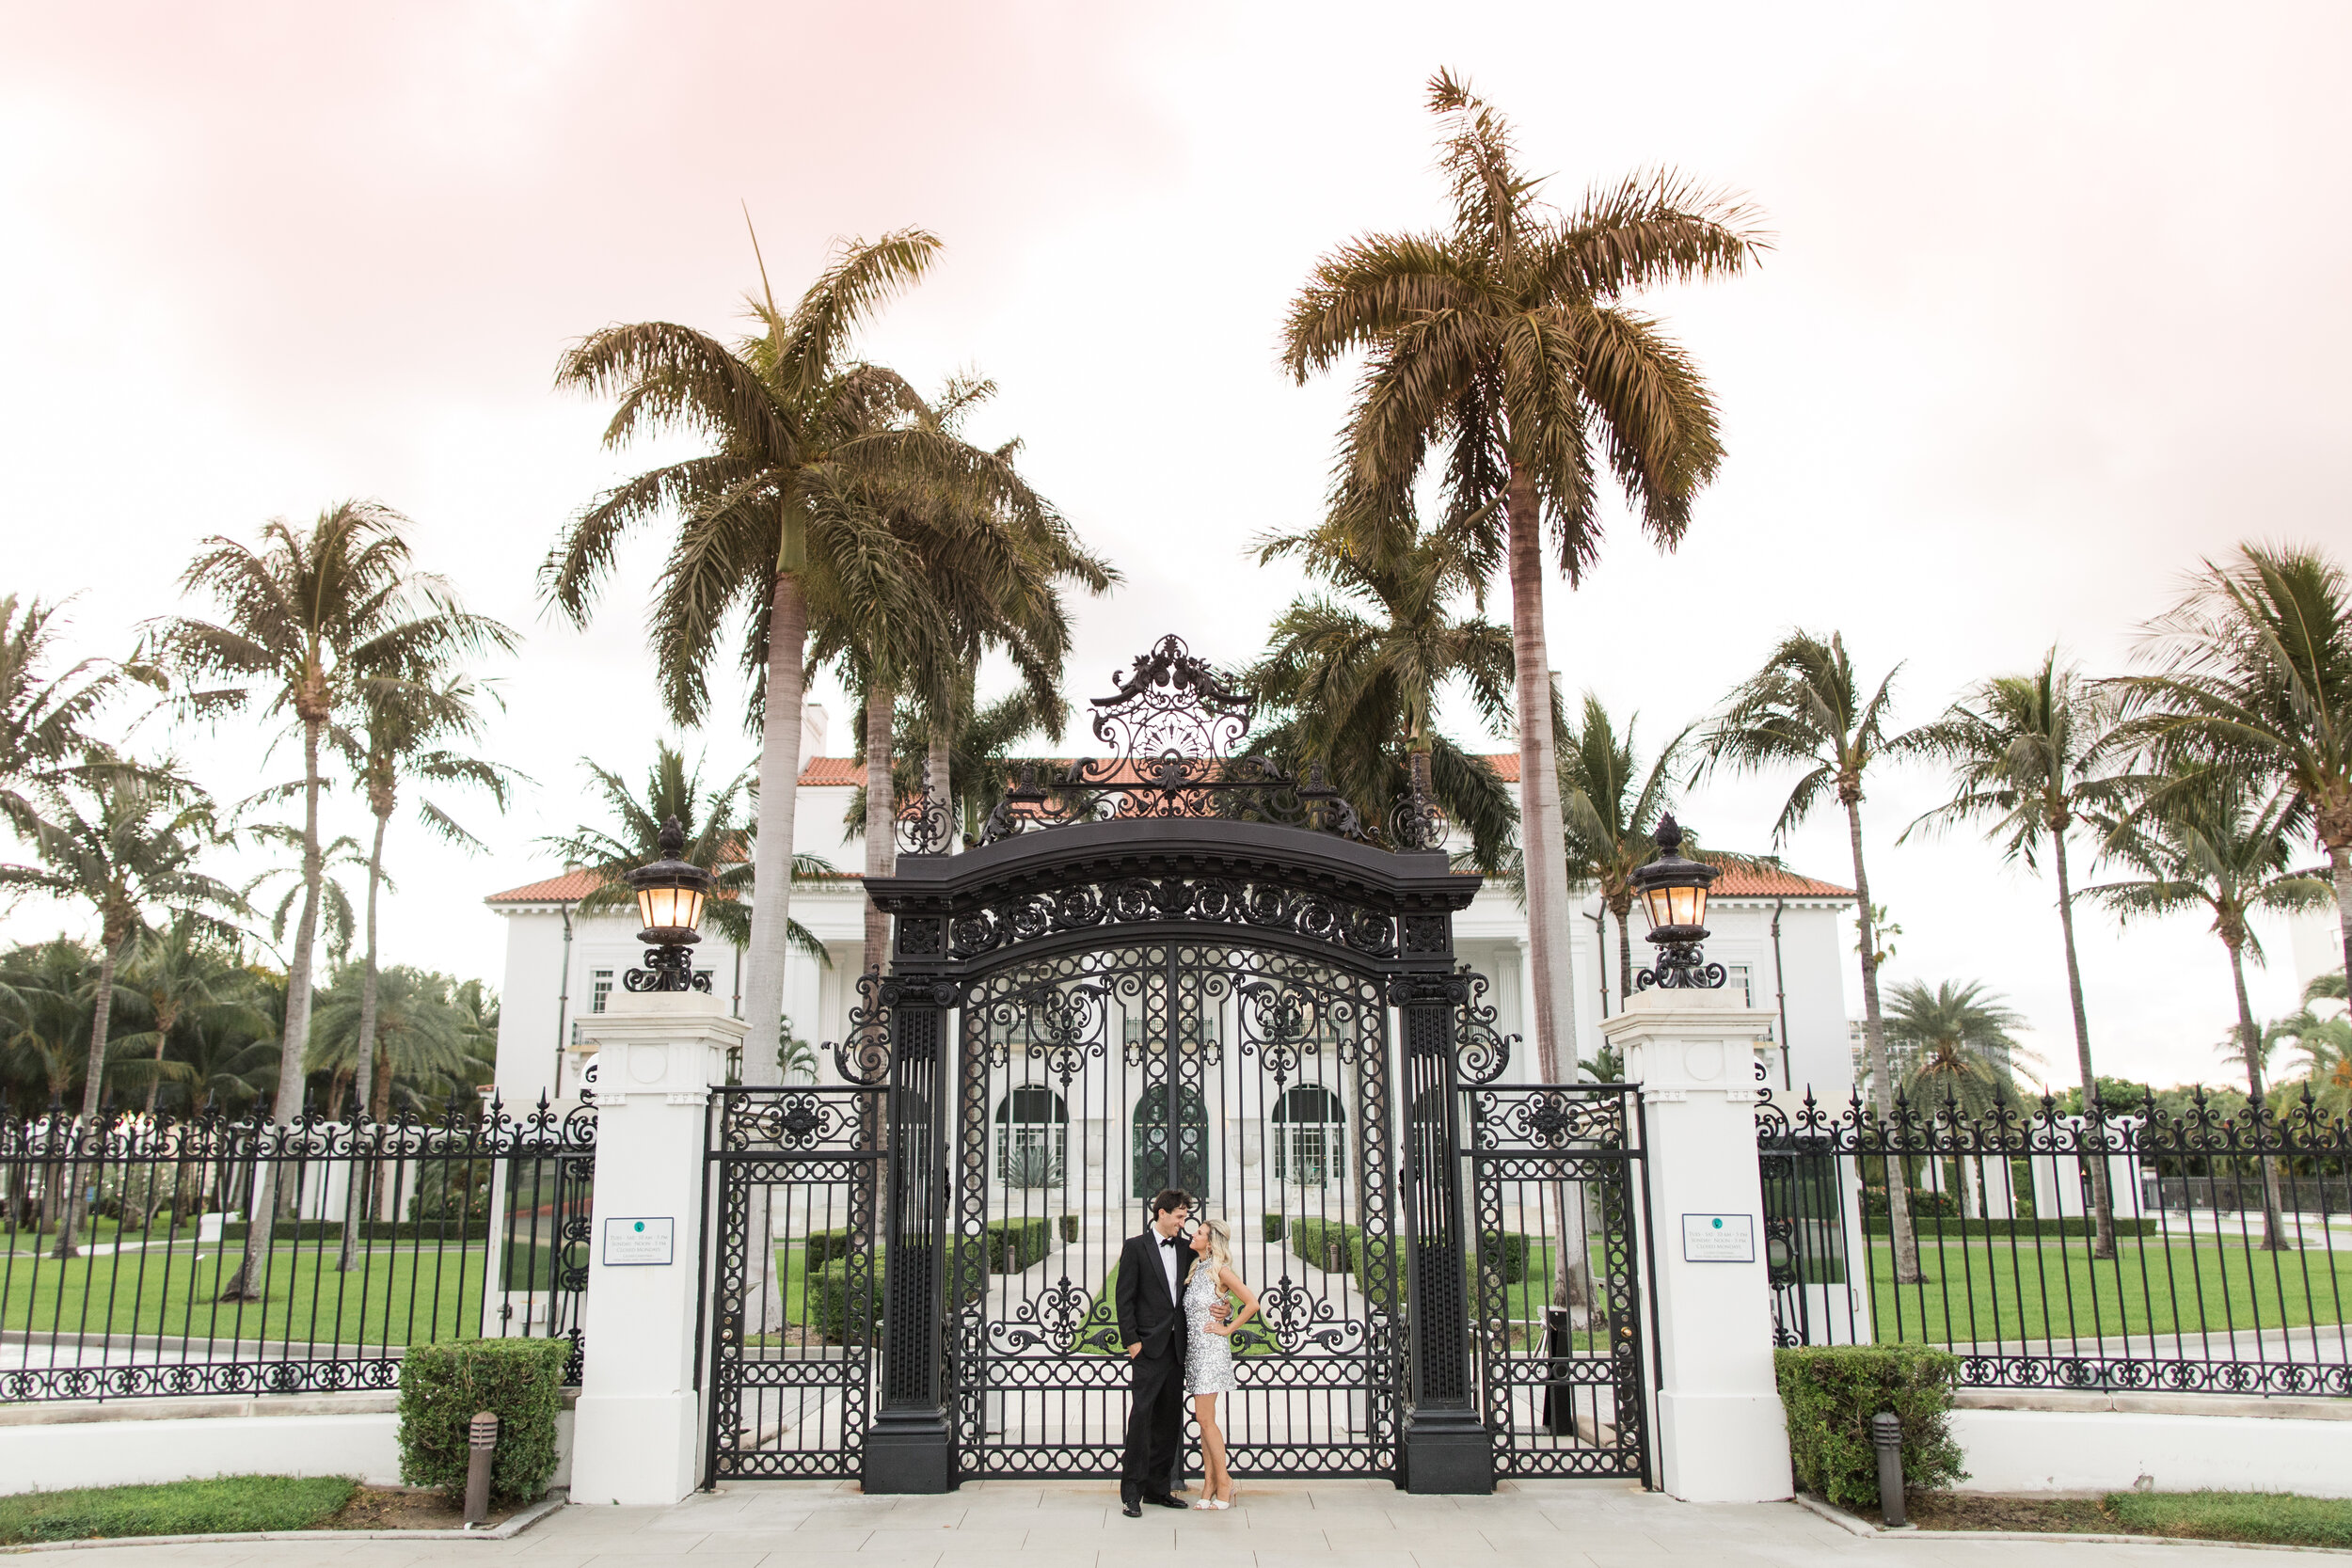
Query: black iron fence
x,y
148,1257
2224,1265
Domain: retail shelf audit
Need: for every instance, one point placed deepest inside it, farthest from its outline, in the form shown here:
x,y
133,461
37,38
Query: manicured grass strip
x,y
224,1506
1978,1290
393,1296
2279,1517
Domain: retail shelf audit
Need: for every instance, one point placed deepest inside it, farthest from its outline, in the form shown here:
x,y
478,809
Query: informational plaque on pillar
x,y
638,1243
1718,1238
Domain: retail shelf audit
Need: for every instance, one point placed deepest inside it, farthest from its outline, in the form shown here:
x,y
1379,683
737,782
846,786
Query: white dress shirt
x,y
1168,1261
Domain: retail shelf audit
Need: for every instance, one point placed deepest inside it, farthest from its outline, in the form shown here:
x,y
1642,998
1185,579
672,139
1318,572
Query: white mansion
x,y
1778,935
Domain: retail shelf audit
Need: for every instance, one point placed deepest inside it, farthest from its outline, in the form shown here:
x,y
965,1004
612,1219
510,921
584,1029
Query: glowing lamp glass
x,y
677,908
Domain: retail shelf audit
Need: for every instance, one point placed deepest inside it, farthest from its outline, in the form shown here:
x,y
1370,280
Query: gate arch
x,y
1172,940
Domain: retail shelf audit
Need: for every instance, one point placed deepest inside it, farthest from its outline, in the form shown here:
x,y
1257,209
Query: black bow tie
x,y
1168,1240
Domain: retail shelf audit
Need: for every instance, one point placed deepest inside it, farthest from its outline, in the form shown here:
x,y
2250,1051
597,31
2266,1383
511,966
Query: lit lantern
x,y
670,896
1671,891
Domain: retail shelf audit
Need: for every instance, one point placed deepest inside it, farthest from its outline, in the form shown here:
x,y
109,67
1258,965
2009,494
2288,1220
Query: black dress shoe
x,y
1131,1507
1166,1502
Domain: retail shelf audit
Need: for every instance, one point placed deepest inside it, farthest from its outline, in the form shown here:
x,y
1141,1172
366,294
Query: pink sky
x,y
2056,305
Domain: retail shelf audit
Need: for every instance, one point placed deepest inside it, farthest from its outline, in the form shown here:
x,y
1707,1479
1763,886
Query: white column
x,y
1720,1434
638,1427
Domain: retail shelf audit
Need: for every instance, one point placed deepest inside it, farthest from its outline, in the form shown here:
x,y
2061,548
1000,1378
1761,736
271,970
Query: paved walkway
x,y
1076,1525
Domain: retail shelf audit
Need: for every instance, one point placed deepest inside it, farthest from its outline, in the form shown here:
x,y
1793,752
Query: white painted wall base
x,y
1728,1447
2109,1450
660,1457
125,1442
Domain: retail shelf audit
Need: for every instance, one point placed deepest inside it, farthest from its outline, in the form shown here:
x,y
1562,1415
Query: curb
x,y
506,1532
1864,1528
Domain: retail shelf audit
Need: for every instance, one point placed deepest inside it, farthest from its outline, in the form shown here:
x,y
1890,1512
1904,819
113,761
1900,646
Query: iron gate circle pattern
x,y
1170,1064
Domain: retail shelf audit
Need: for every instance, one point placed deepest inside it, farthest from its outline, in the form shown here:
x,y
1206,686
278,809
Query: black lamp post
x,y
670,896
1672,890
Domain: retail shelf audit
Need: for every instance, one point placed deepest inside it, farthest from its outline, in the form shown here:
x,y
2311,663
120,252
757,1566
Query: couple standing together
x,y
1175,1296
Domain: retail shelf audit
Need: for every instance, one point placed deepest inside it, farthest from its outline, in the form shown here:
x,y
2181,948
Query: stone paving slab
x,y
1030,1524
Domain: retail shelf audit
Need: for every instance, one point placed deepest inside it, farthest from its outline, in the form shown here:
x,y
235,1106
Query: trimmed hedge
x,y
826,1293
1925,1202
1830,1393
442,1385
373,1230
1507,1247
1329,1245
1272,1227
1011,1245
1930,1225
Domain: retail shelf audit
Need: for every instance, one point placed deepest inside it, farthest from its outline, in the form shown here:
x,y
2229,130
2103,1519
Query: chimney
x,y
813,724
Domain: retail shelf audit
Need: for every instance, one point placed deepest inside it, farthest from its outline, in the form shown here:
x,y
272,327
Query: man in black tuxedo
x,y
1149,1297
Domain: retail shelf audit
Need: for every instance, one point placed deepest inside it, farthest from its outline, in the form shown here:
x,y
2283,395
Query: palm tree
x,y
1506,341
123,840
974,750
182,966
772,519
1612,818
316,619
986,555
2254,672
46,994
399,734
2030,753
2214,842
44,718
1358,694
1805,709
717,839
1962,1057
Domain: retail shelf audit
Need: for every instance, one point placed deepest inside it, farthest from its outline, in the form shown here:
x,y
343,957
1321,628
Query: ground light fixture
x,y
671,893
1671,891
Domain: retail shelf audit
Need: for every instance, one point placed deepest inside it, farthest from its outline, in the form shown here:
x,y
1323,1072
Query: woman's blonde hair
x,y
1220,1243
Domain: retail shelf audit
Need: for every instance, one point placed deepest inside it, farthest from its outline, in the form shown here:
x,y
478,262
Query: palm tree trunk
x,y
93,1084
262,1211
1543,855
364,1073
942,762
2340,864
1874,1052
2102,1194
2251,1041
765,954
881,814
1625,962
167,1015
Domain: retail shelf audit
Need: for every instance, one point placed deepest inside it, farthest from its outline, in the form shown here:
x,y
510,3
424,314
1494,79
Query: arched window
x,y
1032,1130
1151,1165
1309,1136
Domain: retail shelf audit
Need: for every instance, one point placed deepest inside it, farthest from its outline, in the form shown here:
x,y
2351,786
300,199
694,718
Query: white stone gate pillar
x,y
638,1428
1721,1435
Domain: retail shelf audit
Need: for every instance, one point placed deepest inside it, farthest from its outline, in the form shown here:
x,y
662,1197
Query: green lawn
x,y
2057,1291
393,1295
220,1507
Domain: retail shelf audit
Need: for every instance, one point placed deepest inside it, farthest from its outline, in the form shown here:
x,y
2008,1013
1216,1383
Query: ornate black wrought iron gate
x,y
796,1175
1209,974
1256,1080
1553,1170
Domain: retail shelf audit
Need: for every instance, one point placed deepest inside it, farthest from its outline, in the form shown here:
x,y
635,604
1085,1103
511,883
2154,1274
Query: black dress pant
x,y
1155,1424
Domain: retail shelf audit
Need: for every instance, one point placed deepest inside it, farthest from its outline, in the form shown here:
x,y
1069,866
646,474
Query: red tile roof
x,y
828,771
572,886
1768,882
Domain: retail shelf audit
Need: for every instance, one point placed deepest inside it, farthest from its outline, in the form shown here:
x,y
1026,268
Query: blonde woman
x,y
1209,1350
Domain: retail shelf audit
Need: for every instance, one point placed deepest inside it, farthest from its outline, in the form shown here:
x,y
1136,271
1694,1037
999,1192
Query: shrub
x,y
442,1385
1328,1245
1011,1245
1272,1227
1069,1229
1925,1202
1830,1393
1507,1248
826,1291
821,1247
1879,1225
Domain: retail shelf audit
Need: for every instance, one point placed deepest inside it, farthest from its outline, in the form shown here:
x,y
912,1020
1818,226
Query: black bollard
x,y
1886,1435
482,1441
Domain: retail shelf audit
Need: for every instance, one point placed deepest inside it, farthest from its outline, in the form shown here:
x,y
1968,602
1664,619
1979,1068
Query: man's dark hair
x,y
1171,1198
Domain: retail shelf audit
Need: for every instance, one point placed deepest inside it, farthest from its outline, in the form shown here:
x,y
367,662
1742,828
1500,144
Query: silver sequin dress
x,y
1208,1357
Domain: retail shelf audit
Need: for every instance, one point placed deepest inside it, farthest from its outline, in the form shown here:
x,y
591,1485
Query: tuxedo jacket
x,y
1147,1312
